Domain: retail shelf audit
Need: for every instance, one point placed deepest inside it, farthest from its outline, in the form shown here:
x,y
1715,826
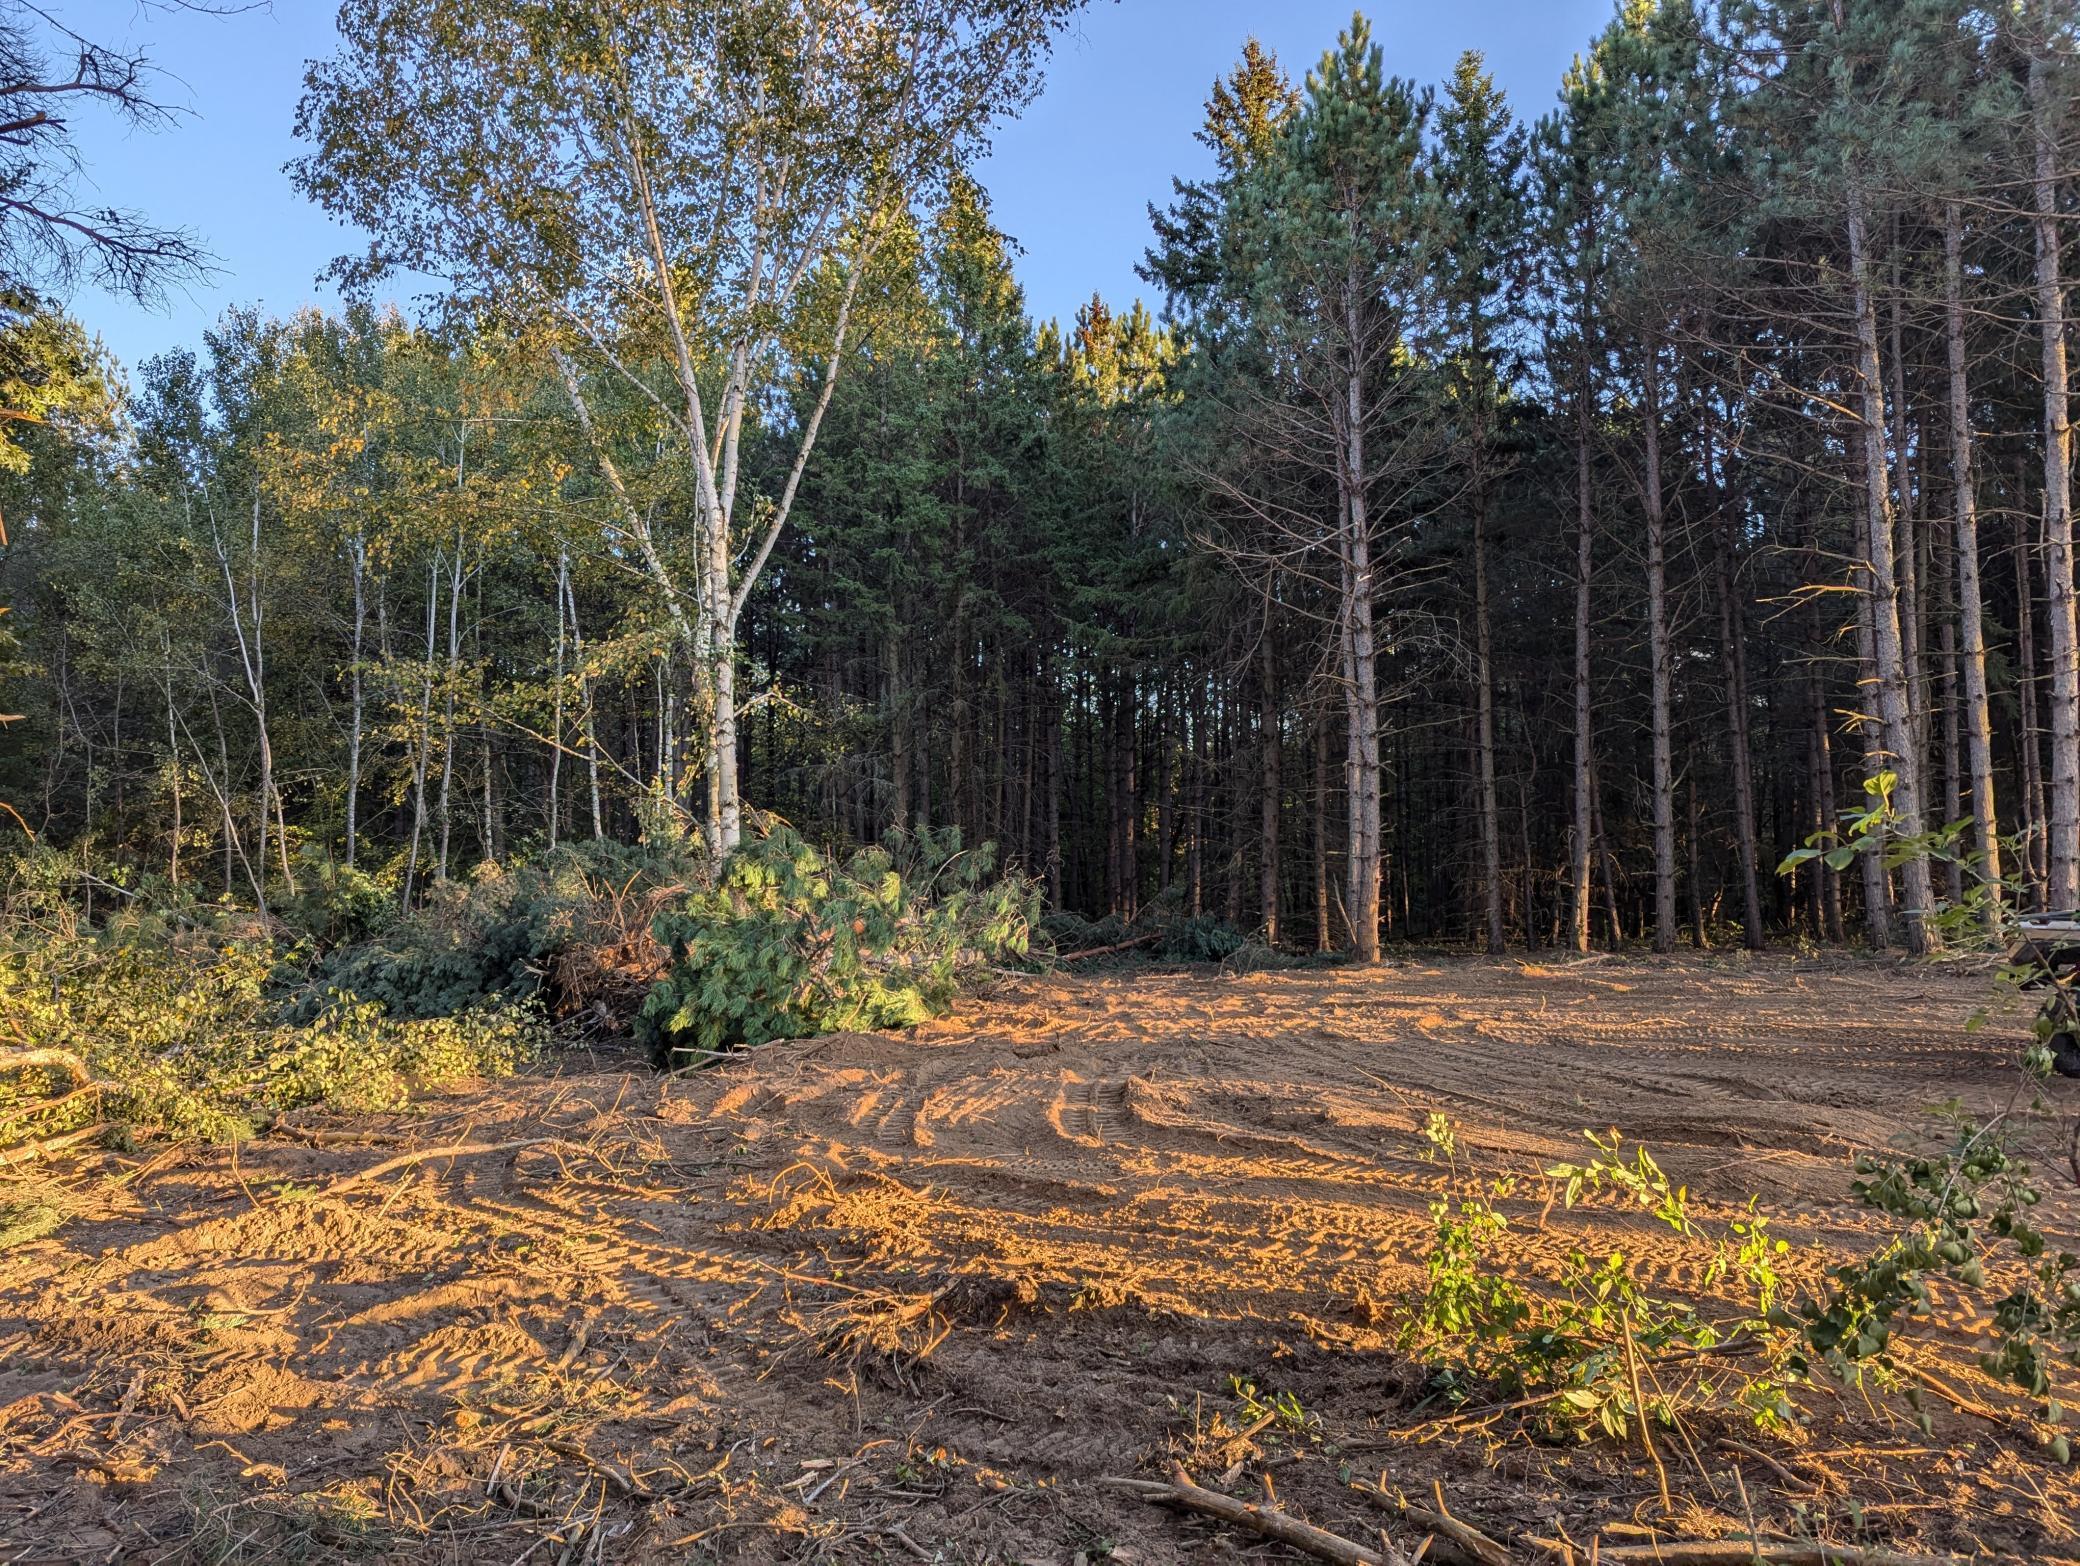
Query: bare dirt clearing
x,y
911,1296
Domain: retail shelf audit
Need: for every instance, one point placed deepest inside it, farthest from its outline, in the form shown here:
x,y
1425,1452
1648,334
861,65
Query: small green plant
x,y
1464,1304
1276,1410
1579,1348
1959,1210
789,943
1966,1208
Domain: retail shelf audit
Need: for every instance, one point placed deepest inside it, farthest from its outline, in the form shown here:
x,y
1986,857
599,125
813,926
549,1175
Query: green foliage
x,y
499,934
791,943
1968,1207
337,905
185,1037
1961,1210
1201,938
1070,932
1282,1410
33,1209
1579,1346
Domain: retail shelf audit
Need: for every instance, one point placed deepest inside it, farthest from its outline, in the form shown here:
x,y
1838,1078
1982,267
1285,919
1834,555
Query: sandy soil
x,y
910,1296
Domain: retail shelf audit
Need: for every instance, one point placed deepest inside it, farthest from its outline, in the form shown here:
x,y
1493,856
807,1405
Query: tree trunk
x,y
1364,889
1659,659
1877,881
590,722
1484,716
357,562
1733,650
1584,544
563,582
1268,743
1324,936
2030,730
1894,696
1828,885
2063,890
448,703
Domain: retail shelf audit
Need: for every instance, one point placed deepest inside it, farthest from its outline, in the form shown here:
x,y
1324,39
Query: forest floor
x,y
913,1296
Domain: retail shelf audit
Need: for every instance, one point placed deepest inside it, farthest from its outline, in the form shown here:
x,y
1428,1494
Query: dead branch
x,y
1266,1521
1116,946
1457,1543
1639,1409
29,1152
451,1150
1749,1552
1727,1443
48,1058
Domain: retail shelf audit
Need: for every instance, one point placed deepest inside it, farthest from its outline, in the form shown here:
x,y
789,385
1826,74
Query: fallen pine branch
x,y
1267,1521
1748,1552
1456,1541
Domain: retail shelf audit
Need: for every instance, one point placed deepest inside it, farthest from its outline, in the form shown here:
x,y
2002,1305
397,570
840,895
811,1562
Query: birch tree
x,y
656,183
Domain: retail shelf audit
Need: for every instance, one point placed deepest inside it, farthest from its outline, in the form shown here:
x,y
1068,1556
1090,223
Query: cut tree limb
x,y
47,1058
29,1152
1267,1521
1116,946
1457,1541
450,1150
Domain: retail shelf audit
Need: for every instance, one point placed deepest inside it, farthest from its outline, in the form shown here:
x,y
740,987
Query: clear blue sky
x,y
1071,180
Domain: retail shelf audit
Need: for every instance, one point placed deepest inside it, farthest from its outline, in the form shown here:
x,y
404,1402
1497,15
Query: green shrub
x,y
1201,938
789,944
1573,1347
1070,933
336,905
503,934
186,1037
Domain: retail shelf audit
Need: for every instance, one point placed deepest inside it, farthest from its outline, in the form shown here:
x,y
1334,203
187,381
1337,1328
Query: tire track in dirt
x,y
1177,1177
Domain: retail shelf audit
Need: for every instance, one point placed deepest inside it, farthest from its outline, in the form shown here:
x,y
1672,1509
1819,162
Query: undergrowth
x,y
187,1037
1585,1351
571,927
1581,1356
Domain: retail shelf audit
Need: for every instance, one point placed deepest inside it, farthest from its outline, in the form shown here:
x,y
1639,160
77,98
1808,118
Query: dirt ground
x,y
912,1296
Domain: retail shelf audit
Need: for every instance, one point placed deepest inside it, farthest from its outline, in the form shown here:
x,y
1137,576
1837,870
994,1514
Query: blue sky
x,y
1071,180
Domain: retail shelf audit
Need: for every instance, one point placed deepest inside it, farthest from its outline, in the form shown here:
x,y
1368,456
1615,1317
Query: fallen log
x,y
1267,1521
